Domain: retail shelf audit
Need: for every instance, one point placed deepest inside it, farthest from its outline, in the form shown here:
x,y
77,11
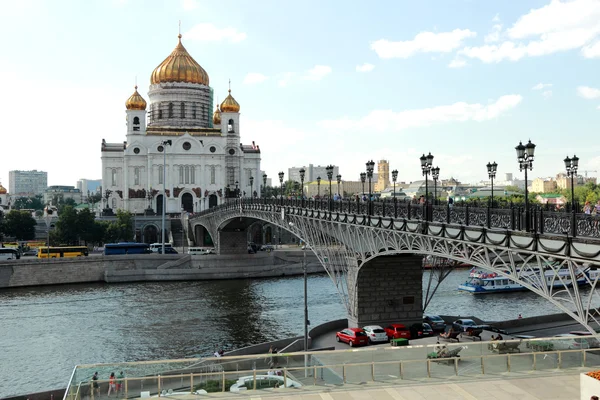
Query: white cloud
x,y
366,67
254,77
424,42
494,35
189,5
388,120
285,79
457,63
210,33
318,72
558,26
547,94
588,92
541,86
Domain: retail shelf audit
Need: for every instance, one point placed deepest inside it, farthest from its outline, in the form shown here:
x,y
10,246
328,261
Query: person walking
x,y
95,386
120,379
112,384
587,208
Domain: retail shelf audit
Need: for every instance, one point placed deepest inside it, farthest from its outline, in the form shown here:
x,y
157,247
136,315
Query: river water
x,y
46,331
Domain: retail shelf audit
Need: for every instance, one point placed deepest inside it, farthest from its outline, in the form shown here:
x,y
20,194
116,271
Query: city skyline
x,y
465,81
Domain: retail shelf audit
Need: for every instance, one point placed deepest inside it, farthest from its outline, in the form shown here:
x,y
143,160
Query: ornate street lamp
x,y
363,178
370,166
525,160
164,144
265,184
319,187
329,170
435,174
394,177
302,172
281,183
251,179
236,189
491,167
426,164
572,164
339,180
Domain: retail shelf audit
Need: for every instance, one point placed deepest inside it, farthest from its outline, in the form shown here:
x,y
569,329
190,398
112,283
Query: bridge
x,y
373,251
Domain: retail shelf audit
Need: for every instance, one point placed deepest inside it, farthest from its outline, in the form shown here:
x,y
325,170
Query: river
x,y
46,331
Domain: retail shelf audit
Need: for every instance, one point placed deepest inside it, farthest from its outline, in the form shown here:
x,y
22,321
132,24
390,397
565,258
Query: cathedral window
x,y
170,110
192,175
136,176
159,113
182,110
161,175
181,174
230,127
194,111
187,174
136,123
212,175
113,177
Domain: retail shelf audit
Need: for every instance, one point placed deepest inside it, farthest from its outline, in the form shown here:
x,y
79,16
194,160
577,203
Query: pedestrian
x,y
216,353
269,352
112,384
450,202
587,208
120,379
520,316
95,385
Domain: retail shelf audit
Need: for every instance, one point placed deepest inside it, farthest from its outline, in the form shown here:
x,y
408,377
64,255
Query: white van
x,y
155,246
201,251
7,253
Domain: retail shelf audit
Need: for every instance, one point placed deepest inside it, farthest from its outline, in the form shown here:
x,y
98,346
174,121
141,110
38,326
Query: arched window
x,y
187,174
136,176
136,123
194,111
182,109
114,203
113,177
192,174
161,175
212,174
230,127
170,110
181,174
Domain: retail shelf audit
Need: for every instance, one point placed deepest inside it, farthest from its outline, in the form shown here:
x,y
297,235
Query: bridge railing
x,y
542,219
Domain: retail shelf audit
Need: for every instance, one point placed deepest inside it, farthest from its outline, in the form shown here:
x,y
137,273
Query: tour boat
x,y
480,282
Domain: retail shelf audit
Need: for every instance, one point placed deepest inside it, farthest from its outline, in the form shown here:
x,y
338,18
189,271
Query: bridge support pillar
x,y
235,242
389,290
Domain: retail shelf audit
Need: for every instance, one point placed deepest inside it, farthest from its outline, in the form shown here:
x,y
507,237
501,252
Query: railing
x,y
542,219
328,368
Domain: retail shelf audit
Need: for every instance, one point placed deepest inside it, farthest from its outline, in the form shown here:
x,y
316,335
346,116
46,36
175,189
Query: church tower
x,y
230,128
383,175
136,114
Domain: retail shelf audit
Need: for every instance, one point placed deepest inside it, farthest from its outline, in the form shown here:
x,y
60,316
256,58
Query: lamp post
x,y
339,180
370,166
281,183
319,187
251,179
435,174
426,164
491,167
525,160
164,144
363,178
394,177
302,172
236,190
572,164
265,184
329,170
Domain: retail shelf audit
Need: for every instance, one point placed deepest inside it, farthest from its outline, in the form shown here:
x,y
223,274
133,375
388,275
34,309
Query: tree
x,y
120,230
31,203
20,224
1,225
67,231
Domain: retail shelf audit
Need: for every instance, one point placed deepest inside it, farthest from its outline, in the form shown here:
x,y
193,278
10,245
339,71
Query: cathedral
x,y
178,142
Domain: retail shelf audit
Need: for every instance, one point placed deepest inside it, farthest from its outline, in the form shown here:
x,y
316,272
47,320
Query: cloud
x,y
285,79
366,67
588,92
494,35
210,33
254,77
189,5
318,72
541,86
388,120
558,26
457,63
424,42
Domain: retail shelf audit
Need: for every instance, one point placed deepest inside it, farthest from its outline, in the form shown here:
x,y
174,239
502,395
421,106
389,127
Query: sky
x,y
334,82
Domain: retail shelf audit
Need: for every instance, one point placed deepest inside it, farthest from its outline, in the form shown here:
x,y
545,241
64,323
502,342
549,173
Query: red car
x,y
352,336
397,331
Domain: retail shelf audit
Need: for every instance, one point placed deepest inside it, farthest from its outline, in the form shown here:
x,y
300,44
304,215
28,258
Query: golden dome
x,y
135,101
179,67
217,116
3,190
229,104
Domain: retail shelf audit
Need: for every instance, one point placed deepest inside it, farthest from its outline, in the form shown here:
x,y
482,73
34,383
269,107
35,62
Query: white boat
x,y
480,282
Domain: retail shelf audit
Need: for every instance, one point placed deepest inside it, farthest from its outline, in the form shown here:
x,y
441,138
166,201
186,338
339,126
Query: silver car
x,y
376,334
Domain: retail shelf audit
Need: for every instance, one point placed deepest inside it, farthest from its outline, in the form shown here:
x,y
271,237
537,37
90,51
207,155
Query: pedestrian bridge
x,y
373,251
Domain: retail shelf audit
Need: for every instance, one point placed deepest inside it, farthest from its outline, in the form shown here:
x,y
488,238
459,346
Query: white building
x,y
204,157
27,183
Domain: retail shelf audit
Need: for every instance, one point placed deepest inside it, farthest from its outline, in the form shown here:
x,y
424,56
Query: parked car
x,y
352,336
30,253
435,321
397,331
420,330
267,247
168,250
464,325
376,334
575,341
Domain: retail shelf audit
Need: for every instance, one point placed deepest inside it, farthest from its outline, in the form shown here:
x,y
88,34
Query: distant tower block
x,y
383,175
508,177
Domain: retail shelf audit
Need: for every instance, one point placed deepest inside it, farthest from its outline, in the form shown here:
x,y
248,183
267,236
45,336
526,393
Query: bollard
x,y
373,371
429,368
344,373
508,362
401,370
191,383
284,377
482,367
254,378
583,359
559,359
158,385
223,390
534,362
456,366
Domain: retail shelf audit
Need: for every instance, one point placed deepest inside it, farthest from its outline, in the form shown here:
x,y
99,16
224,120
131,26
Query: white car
x,y
262,382
376,334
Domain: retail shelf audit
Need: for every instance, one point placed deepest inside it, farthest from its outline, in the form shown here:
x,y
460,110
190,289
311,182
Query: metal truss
x,y
343,243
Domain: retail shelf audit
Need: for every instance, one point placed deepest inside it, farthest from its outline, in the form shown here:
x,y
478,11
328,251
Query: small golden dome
x,y
217,116
229,104
179,67
3,190
135,101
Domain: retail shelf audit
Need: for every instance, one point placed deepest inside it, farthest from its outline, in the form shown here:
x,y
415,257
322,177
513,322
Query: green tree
x,y
1,225
120,230
20,224
67,229
31,203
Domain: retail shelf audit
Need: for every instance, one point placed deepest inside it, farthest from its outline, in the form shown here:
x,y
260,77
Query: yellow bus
x,y
57,252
